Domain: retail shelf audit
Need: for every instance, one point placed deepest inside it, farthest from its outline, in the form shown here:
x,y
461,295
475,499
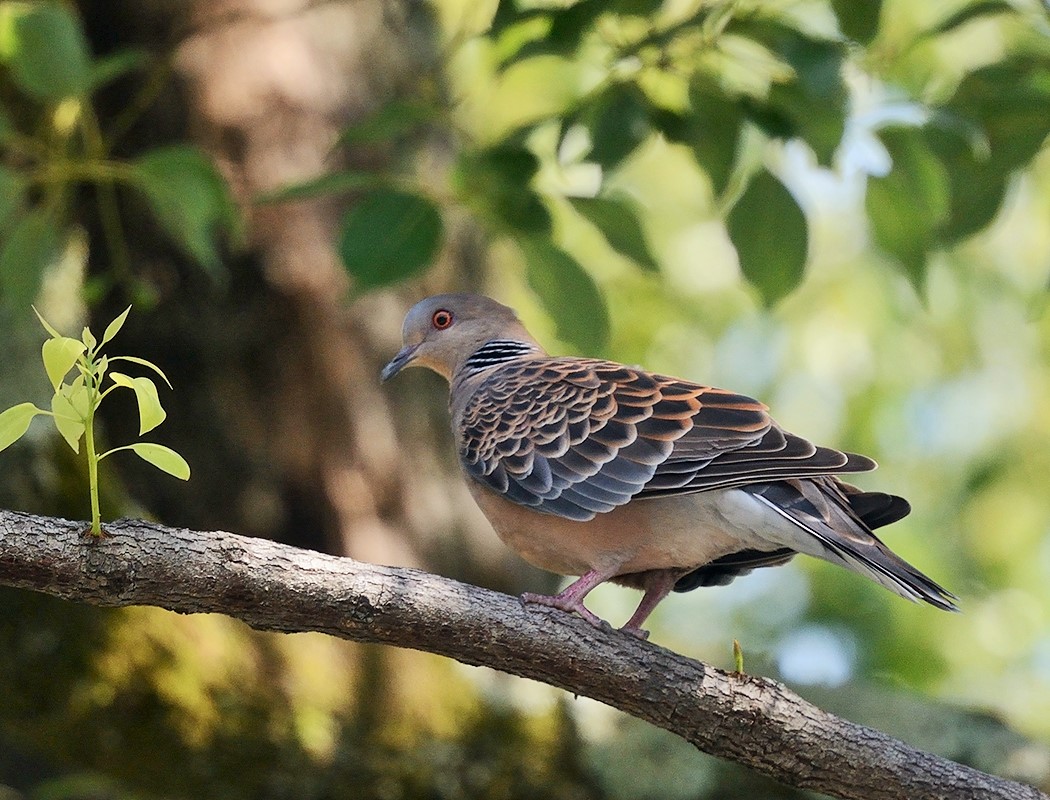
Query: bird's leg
x,y
571,598
658,585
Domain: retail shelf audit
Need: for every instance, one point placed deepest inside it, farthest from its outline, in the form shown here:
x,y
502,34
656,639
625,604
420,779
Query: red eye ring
x,y
442,319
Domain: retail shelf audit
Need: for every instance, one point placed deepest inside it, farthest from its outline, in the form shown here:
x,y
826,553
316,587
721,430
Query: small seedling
x,y
75,402
738,658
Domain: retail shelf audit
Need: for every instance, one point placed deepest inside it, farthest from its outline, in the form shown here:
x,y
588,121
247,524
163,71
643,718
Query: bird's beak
x,y
399,362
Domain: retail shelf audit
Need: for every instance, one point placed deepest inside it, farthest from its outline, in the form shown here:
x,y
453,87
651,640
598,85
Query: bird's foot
x,y
638,633
566,601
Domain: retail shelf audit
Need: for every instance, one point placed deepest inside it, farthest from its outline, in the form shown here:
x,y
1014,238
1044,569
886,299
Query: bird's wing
x,y
576,437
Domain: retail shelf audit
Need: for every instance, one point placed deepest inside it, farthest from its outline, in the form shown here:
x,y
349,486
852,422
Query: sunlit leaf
x,y
68,421
46,49
568,293
15,421
189,199
618,221
769,232
47,325
32,244
389,235
151,413
907,206
164,458
969,13
59,356
114,327
143,363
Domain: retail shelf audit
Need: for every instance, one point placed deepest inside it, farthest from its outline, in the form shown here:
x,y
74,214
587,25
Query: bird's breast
x,y
683,531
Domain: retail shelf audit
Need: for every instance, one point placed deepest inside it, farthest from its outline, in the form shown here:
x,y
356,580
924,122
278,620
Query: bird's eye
x,y
441,319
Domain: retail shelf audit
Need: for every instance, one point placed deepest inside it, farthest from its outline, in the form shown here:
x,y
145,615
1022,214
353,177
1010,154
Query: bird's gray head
x,y
443,331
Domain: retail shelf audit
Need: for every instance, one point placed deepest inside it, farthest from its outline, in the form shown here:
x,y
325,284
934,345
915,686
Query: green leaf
x,y
769,232
494,182
108,68
996,123
711,129
59,356
568,294
858,19
618,221
983,8
15,421
163,458
114,327
189,198
45,49
47,325
143,363
32,245
151,414
335,183
907,206
618,120
392,120
12,196
69,405
388,236
813,104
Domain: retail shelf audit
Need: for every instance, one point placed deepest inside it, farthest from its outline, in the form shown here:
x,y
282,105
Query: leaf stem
x,y
92,458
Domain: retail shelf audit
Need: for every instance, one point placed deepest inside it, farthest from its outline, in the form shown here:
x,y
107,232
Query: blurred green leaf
x,y
983,8
618,120
143,363
617,219
59,355
495,183
811,106
45,47
390,121
769,232
568,293
995,123
151,413
711,130
163,458
858,19
31,245
108,68
389,235
907,206
12,196
189,198
334,183
15,421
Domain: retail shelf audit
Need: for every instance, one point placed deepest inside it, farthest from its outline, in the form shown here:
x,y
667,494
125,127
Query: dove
x,y
607,472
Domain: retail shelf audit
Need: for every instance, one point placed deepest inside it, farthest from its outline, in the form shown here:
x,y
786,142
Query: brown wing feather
x,y
577,437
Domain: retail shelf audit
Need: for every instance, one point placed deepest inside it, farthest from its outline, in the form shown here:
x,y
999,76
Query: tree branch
x,y
274,587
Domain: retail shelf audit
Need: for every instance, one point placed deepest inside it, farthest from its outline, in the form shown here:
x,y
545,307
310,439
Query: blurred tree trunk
x,y
277,404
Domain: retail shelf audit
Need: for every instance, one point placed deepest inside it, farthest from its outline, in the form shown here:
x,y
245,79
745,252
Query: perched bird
x,y
592,468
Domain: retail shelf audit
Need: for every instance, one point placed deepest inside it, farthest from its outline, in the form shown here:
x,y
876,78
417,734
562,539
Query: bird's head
x,y
443,331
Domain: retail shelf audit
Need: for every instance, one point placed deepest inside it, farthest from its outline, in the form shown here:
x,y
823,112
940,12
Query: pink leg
x,y
657,586
571,598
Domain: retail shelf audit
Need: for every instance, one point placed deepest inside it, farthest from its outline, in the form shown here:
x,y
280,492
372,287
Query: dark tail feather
x,y
722,571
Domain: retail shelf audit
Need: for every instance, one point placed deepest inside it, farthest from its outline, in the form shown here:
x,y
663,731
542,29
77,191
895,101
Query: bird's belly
x,y
683,531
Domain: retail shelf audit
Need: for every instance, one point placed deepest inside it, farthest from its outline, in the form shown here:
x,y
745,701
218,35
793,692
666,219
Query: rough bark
x,y
270,586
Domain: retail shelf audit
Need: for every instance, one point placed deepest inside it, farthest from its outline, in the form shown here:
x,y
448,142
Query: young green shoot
x,y
82,378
